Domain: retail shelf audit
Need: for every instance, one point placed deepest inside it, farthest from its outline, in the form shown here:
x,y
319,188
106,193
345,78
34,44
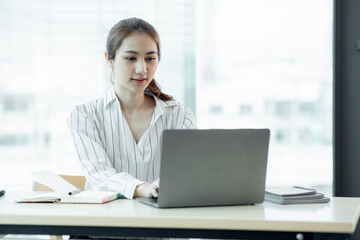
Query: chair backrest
x,y
77,181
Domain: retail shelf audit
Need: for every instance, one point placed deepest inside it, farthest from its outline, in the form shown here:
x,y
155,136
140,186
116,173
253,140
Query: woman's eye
x,y
150,59
131,59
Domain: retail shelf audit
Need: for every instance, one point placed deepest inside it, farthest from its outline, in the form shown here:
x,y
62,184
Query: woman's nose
x,y
140,67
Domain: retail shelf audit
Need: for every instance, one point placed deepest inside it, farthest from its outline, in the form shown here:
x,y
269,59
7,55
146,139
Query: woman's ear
x,y
110,62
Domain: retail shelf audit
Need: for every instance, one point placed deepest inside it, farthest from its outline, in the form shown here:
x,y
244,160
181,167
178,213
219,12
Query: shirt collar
x,y
161,105
110,96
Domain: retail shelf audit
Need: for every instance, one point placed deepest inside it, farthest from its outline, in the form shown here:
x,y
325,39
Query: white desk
x,y
336,219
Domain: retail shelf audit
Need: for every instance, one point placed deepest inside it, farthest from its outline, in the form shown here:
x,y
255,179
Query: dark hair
x,y
123,29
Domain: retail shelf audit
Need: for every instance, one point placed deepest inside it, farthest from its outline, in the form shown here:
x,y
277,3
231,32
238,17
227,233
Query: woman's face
x,y
135,63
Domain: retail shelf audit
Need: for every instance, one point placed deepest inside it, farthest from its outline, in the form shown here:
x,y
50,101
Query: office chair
x,y
76,180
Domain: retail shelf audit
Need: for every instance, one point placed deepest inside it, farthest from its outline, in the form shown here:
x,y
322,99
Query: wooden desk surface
x,y
338,216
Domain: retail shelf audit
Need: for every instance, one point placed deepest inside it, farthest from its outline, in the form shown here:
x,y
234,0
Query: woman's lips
x,y
139,80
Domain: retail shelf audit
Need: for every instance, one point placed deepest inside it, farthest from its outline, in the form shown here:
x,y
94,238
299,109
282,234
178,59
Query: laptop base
x,y
149,201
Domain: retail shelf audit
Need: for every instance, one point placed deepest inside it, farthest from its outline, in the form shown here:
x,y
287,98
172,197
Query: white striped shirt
x,y
107,151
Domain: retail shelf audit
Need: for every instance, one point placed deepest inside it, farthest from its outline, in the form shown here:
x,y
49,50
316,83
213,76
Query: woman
x,y
118,136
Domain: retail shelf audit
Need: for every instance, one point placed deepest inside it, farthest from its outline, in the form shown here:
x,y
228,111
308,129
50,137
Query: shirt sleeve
x,y
98,170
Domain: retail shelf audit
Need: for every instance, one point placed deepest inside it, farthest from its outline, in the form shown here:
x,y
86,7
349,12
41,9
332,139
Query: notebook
x,y
212,167
294,195
82,197
65,192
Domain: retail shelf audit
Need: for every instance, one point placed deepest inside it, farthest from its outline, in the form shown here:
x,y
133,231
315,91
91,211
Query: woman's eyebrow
x,y
151,52
134,52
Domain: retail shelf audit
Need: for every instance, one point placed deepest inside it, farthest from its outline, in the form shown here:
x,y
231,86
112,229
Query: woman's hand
x,y
147,189
156,184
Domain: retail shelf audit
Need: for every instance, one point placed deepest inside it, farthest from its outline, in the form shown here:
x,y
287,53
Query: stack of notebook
x,y
294,195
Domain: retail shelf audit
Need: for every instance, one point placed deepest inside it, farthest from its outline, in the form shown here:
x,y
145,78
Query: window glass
x,y
269,64
52,58
235,63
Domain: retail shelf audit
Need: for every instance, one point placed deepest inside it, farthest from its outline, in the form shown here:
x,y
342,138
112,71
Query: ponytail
x,y
155,90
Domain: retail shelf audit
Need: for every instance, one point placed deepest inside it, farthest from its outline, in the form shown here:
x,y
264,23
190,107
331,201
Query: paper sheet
x,y
53,181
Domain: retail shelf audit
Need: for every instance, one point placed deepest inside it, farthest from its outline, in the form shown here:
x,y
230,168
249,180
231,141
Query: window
x,y
274,60
236,63
53,58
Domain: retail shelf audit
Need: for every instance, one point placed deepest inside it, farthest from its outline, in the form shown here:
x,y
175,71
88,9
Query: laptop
x,y
212,167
